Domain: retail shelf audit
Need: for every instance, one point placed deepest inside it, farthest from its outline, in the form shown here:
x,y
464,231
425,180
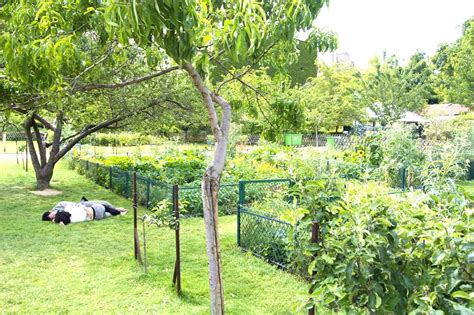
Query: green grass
x,y
10,146
90,268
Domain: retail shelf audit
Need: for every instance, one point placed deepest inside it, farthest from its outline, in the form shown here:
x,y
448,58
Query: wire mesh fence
x,y
151,191
260,229
260,232
340,141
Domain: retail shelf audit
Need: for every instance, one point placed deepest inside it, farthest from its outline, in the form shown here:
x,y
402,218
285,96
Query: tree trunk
x,y
42,166
43,177
210,186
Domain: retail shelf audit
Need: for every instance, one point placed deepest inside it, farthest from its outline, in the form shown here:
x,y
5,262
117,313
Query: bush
x,y
121,139
387,254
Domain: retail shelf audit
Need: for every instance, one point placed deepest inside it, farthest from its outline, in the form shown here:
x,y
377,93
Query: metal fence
x,y
341,141
17,135
151,191
262,233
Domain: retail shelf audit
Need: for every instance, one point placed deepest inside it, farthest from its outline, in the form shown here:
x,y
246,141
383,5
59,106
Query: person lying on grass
x,y
67,212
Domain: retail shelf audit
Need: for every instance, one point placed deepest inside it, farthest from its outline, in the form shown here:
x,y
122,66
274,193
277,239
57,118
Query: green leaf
x,y
462,295
438,258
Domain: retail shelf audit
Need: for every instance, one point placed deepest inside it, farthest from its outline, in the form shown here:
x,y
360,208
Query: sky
x,y
366,28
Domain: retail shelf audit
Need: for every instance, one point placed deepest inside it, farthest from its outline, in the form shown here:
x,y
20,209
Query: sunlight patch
x,y
47,192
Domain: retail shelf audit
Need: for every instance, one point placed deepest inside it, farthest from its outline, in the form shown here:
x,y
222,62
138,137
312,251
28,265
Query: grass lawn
x,y
89,267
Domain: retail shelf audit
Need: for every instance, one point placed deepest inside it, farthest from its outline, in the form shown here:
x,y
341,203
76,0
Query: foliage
x,y
453,64
265,105
161,215
120,139
305,65
389,90
444,164
381,253
330,98
400,152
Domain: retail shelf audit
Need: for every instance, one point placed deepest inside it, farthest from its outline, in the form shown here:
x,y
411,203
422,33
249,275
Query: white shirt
x,y
78,213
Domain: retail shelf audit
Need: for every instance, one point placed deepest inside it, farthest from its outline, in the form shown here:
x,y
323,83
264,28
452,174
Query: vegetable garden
x,y
394,230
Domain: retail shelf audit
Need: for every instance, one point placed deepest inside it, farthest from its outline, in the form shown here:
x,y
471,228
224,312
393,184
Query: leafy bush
x,y
121,139
400,152
388,254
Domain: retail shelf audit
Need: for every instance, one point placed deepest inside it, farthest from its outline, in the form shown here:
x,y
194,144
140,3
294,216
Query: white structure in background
x,y
444,111
411,117
342,58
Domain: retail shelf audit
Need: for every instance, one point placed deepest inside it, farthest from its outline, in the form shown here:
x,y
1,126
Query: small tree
x,y
331,97
53,56
198,35
389,90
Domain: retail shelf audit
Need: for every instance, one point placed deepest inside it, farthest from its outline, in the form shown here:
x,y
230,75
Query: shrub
x,y
121,139
390,254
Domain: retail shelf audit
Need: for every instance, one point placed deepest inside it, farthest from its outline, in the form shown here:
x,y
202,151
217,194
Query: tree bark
x,y
210,186
43,170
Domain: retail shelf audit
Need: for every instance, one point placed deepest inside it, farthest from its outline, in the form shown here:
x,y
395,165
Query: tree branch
x,y
84,133
35,116
40,142
96,86
251,67
97,62
29,139
241,81
206,95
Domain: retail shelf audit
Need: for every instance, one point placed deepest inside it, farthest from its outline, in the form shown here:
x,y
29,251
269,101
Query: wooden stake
x,y
177,265
314,239
144,247
136,240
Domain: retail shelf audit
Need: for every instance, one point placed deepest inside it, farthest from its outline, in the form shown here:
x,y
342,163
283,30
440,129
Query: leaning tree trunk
x,y
43,169
210,186
43,164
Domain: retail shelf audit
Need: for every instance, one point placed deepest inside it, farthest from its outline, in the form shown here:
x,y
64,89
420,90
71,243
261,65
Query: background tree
x,y
265,105
454,67
420,73
330,98
54,59
390,90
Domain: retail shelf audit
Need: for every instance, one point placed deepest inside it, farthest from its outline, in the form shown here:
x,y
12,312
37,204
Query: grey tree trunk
x,y
210,186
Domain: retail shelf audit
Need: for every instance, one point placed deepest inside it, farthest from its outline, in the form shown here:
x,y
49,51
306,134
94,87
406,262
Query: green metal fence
x,y
261,233
151,191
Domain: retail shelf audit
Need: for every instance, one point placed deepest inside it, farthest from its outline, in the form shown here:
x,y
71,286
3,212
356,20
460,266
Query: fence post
x,y
135,214
177,265
111,174
87,165
314,239
403,178
291,184
239,207
148,187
